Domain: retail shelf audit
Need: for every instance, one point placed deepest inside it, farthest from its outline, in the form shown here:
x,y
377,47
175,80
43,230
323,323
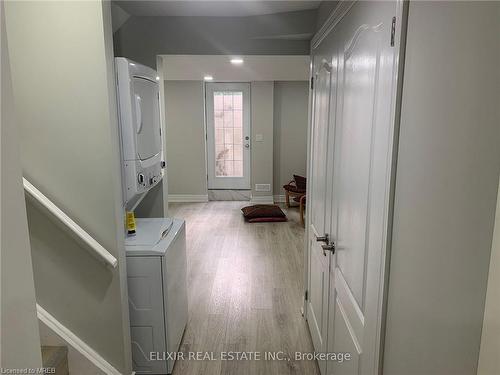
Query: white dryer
x,y
157,292
138,90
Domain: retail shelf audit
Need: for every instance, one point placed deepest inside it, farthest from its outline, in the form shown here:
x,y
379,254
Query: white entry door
x,y
364,132
228,135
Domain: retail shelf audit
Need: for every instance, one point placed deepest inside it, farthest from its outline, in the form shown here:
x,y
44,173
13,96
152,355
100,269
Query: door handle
x,y
328,247
324,238
247,145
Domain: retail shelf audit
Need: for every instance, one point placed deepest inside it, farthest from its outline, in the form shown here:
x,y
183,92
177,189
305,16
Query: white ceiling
x,y
234,8
254,68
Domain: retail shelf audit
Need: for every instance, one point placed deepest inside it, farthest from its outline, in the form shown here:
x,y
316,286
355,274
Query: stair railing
x,y
70,226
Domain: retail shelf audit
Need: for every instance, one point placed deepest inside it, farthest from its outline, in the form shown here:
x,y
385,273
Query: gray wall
x,y
324,11
279,112
290,131
446,189
118,16
152,205
20,340
142,38
185,138
262,123
64,98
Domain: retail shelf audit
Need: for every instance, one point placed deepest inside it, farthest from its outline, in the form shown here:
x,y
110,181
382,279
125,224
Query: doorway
x,y
228,136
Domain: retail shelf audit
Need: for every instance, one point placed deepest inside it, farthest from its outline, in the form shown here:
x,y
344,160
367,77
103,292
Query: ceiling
x,y
238,8
254,68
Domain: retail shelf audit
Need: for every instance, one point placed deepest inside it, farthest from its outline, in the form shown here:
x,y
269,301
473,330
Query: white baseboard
x,y
187,198
265,199
279,198
74,342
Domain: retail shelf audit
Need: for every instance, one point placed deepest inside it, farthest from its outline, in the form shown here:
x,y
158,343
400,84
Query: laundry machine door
x,y
146,106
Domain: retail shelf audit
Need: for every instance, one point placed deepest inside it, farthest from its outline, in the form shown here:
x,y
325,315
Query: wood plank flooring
x,y
244,289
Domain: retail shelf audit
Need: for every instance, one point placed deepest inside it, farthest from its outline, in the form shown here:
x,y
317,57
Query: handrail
x,y
75,342
77,231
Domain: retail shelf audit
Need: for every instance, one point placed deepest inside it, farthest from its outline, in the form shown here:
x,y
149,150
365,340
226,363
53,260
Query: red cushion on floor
x,y
263,213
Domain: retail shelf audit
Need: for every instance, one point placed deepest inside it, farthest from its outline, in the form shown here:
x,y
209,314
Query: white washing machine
x,y
156,275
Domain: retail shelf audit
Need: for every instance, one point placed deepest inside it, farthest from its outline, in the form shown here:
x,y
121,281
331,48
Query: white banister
x,y
67,223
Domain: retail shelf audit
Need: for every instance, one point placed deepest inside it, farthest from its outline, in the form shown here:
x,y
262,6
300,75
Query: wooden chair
x,y
296,189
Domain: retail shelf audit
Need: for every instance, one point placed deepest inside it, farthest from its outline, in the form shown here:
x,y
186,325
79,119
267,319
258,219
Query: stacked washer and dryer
x,y
156,255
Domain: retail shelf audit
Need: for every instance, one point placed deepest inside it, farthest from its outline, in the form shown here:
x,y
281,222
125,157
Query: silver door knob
x,y
328,247
247,145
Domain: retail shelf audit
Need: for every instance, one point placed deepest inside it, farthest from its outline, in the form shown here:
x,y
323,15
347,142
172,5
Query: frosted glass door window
x,y
228,123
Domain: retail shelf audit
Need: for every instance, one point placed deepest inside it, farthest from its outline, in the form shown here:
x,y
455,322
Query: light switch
x,y
259,138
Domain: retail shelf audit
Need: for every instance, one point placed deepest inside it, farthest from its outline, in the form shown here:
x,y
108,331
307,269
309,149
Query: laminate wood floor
x,y
245,291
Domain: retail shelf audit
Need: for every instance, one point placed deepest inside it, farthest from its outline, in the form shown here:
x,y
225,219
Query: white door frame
x,y
230,183
401,12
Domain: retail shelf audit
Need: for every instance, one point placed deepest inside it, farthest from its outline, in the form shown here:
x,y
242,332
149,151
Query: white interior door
x,y
319,259
364,131
228,135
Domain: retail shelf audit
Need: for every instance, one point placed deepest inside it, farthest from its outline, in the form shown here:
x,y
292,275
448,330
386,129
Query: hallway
x,y
245,284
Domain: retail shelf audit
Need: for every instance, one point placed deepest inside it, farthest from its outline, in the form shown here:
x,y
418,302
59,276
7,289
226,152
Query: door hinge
x,y
305,295
393,31
312,83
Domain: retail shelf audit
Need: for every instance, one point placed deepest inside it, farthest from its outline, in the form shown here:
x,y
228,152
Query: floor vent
x,y
262,187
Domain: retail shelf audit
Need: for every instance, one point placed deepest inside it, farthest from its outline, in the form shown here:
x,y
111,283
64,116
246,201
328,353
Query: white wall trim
x,y
337,14
265,199
187,198
75,341
279,198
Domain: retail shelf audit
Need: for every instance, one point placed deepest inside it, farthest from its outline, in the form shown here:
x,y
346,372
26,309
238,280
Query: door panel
x,y
320,144
351,312
355,153
319,261
318,300
228,135
342,333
